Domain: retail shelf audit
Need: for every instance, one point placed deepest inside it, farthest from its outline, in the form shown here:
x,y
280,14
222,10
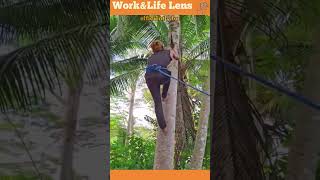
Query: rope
x,y
269,84
160,69
235,68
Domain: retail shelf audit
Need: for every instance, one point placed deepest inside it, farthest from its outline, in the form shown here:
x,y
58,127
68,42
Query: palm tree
x,y
61,43
232,142
239,139
194,61
202,133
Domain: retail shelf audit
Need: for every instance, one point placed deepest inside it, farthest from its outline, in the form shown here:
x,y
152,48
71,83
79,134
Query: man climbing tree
x,y
159,59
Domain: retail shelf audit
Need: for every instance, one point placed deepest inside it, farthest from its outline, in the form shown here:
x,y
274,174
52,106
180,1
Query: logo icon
x,y
203,8
203,5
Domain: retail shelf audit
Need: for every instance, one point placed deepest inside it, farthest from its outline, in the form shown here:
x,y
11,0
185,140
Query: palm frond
x,y
194,29
147,34
25,72
202,25
198,56
121,83
113,23
130,64
126,27
270,17
126,34
26,19
122,47
199,51
163,30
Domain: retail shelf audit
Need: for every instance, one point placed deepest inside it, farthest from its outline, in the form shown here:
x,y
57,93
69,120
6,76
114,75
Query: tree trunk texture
x,y
164,153
131,118
235,153
303,153
70,119
184,121
202,133
180,134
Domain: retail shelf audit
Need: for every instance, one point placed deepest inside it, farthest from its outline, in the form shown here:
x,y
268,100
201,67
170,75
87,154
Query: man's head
x,y
156,46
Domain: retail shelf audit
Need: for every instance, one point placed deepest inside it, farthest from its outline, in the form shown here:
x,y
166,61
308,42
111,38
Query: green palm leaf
x,y
121,83
25,72
130,64
26,19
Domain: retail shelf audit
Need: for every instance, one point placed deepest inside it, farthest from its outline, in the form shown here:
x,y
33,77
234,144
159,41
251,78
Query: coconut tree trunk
x,y
303,154
131,118
235,148
164,153
202,133
180,134
70,120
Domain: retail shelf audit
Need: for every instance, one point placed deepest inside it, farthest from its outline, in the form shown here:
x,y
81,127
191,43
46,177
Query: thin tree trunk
x,y
164,153
131,118
70,119
303,154
202,133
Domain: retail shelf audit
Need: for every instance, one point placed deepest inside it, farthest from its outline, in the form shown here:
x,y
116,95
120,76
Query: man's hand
x,y
174,54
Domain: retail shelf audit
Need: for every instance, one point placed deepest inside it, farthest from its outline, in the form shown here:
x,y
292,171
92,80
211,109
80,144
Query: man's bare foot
x,y
165,130
164,98
164,95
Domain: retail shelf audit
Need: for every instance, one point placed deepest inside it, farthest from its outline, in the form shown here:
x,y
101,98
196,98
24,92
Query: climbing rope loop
x,y
164,71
